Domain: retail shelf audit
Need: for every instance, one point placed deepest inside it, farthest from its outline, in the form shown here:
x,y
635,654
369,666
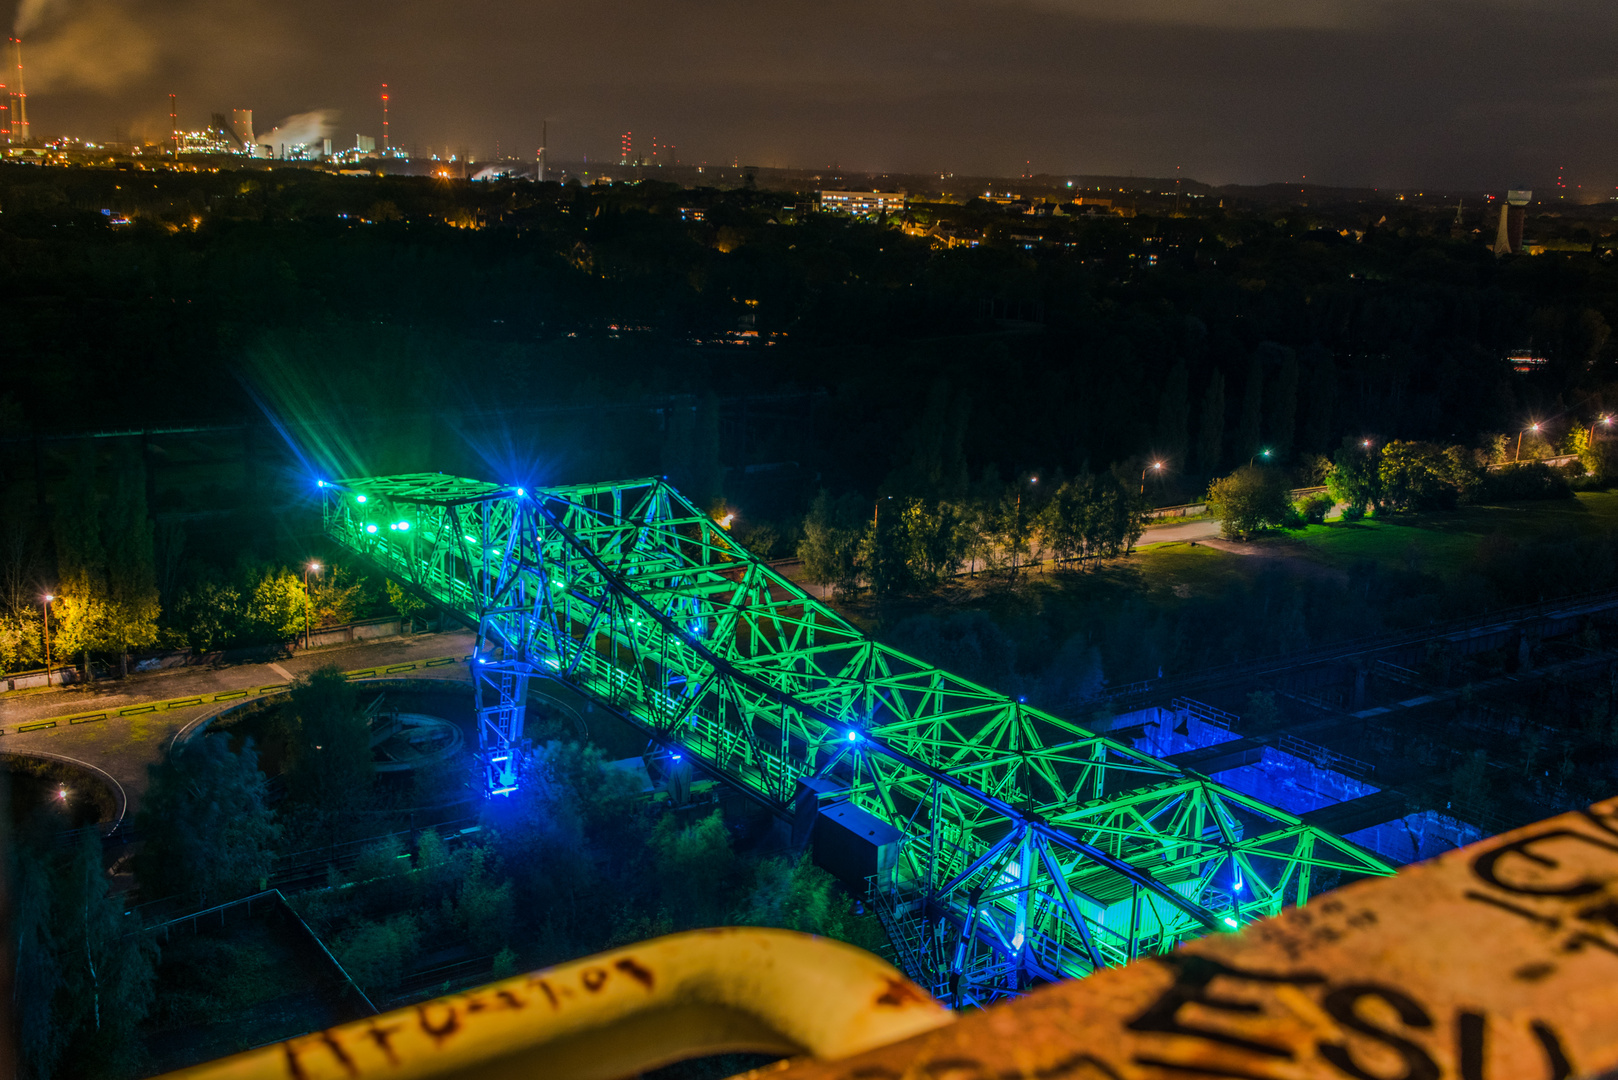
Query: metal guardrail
x,y
1324,757
224,696
1208,714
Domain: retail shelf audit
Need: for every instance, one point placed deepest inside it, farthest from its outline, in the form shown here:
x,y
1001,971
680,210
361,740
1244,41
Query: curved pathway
x,y
120,748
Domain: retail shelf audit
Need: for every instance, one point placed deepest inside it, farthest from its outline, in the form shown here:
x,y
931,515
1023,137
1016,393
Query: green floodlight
x,y
359,498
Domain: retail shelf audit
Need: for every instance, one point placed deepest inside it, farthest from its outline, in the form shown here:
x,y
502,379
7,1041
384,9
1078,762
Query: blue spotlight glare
x,y
676,757
853,736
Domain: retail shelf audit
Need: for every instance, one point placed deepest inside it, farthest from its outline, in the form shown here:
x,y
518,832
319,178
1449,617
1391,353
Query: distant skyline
x,y
1383,93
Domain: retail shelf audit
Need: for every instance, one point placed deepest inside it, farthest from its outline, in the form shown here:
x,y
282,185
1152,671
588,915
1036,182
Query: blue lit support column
x,y
500,690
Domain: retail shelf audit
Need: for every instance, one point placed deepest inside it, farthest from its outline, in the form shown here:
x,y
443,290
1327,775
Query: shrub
x,y
1249,499
1529,480
1313,510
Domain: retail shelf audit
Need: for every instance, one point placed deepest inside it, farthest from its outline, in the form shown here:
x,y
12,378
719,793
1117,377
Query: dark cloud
x,y
1381,92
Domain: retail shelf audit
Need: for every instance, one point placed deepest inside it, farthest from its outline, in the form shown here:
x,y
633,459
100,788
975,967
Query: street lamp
x,y
1530,427
1604,421
1265,454
45,617
1156,466
316,568
876,511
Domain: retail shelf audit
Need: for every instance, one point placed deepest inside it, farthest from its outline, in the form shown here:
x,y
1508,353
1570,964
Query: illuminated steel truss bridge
x,y
1030,849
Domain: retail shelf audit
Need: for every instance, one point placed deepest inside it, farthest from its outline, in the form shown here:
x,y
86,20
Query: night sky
x,y
1479,94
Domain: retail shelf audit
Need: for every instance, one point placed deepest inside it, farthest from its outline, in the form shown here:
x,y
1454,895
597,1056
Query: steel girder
x,y
1033,848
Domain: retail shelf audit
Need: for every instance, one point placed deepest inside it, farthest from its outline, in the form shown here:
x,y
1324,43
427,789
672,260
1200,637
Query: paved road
x,y
1202,529
121,747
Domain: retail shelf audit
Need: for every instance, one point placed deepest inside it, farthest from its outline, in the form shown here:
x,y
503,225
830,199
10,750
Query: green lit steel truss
x,y
1032,848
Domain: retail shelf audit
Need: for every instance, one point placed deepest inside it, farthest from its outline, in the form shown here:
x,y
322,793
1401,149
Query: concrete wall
x,y
25,680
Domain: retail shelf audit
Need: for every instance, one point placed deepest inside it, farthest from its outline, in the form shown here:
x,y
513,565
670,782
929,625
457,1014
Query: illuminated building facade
x,y
861,203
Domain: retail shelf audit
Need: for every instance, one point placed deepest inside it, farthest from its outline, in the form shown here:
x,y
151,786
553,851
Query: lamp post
x,y
316,568
1518,456
1156,466
1604,421
1265,454
876,511
45,617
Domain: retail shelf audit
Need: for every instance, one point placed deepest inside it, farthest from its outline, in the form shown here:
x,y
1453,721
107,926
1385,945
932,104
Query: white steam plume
x,y
304,129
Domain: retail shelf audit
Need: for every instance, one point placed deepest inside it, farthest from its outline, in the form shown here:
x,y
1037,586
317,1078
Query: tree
x,y
694,864
795,895
1321,399
936,535
1353,479
1251,498
830,548
407,604
1282,408
331,744
335,596
1249,431
209,833
884,552
278,606
132,599
1211,426
22,643
1419,475
89,966
1174,414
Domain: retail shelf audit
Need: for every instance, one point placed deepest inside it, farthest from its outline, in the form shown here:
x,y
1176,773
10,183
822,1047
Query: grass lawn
x,y
1442,542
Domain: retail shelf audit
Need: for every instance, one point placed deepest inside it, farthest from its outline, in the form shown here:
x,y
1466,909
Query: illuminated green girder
x,y
1033,848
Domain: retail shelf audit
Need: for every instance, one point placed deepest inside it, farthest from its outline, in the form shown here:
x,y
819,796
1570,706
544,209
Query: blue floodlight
x,y
853,736
1016,942
676,757
504,790
521,493
320,483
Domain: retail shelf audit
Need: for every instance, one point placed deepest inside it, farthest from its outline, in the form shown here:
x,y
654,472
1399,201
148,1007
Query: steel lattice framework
x,y
1031,847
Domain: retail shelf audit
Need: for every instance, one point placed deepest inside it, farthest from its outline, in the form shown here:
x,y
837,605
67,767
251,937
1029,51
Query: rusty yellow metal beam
x,y
619,1013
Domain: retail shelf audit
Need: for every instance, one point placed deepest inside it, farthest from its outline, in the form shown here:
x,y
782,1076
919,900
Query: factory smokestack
x,y
174,126
385,143
19,101
241,124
